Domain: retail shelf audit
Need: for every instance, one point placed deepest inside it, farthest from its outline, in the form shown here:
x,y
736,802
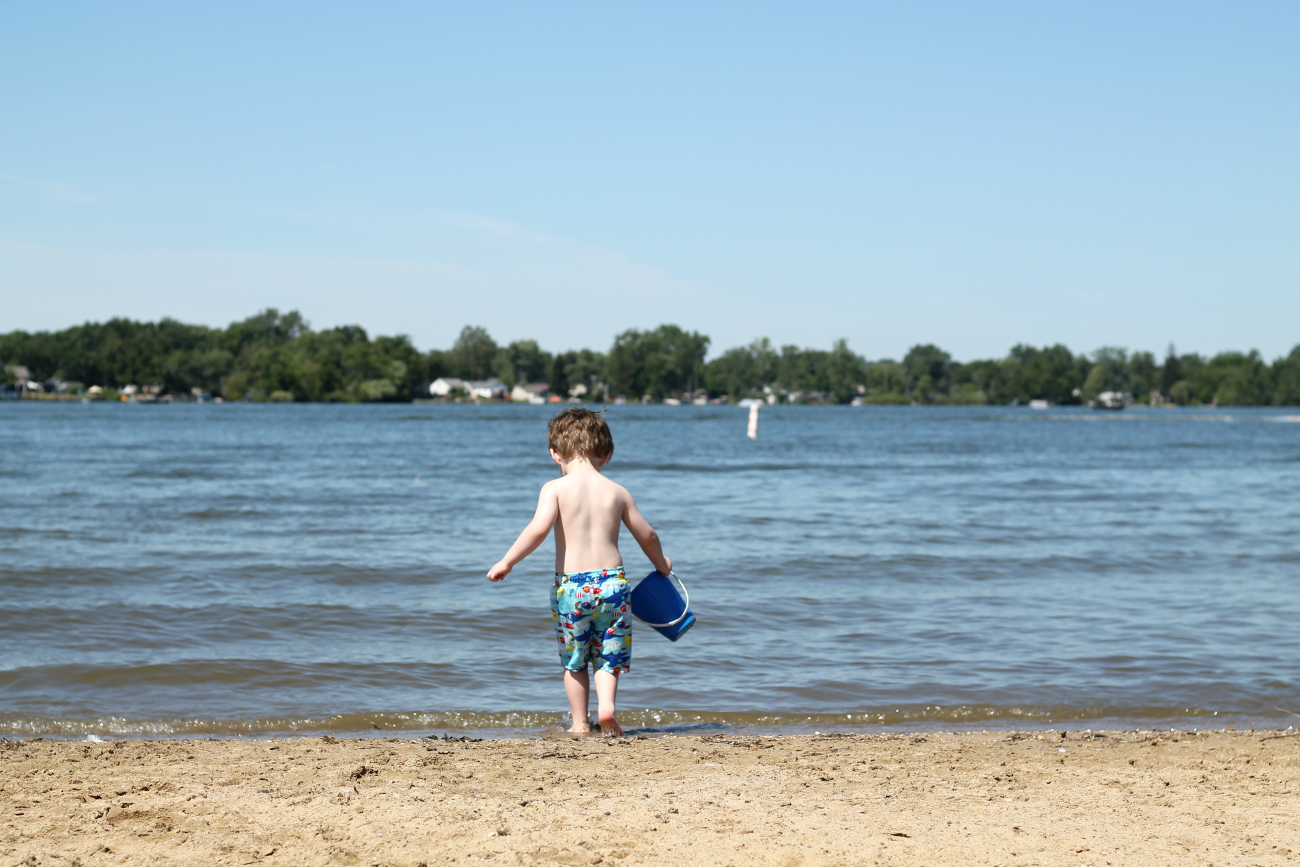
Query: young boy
x,y
589,601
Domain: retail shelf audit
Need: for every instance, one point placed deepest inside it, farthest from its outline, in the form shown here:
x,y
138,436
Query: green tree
x,y
1095,384
522,361
1190,366
577,368
1144,377
660,363
884,382
558,380
1170,371
1177,375
268,328
586,367
1286,376
1050,373
473,354
926,370
845,371
797,371
1110,372
398,363
436,364
742,370
1234,379
984,381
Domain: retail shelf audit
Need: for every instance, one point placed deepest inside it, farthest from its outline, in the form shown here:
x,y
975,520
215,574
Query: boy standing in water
x,y
589,601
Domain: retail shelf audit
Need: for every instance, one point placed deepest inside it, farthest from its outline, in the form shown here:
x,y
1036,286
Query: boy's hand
x,y
499,571
669,562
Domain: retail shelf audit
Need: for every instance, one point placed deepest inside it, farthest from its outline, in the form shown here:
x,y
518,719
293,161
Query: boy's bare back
x,y
583,507
589,509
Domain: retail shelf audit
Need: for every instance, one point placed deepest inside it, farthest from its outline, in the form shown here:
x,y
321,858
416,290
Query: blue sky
x,y
969,174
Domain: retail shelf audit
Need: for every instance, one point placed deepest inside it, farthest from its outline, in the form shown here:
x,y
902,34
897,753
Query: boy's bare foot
x,y
609,726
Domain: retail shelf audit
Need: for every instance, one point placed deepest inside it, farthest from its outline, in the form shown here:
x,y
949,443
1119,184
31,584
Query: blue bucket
x,y
657,604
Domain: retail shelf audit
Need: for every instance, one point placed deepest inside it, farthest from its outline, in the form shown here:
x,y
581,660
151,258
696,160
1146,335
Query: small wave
x,y
647,721
737,468
338,723
219,514
174,473
69,576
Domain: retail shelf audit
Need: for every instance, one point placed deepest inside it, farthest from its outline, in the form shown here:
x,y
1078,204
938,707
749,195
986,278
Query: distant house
x,y
484,389
445,385
533,392
64,386
488,389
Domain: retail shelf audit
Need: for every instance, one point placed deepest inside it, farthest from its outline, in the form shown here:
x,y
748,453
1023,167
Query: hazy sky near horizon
x,y
968,174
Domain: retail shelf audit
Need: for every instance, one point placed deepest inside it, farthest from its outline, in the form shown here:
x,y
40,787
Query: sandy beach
x,y
990,798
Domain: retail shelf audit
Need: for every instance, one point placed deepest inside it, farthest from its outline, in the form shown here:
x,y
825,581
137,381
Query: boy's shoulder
x,y
598,481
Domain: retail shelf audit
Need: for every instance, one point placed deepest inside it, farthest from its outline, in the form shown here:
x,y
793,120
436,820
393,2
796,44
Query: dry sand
x,y
1114,798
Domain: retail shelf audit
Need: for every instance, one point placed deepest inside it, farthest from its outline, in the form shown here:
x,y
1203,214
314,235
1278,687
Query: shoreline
x,y
654,722
558,730
1009,797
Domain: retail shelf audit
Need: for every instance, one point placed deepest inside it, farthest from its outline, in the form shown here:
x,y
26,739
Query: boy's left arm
x,y
645,535
548,509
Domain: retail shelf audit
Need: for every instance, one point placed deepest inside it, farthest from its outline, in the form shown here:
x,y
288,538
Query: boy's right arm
x,y
548,508
645,536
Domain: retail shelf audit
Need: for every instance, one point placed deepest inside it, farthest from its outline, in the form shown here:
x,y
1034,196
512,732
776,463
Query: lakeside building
x,y
60,386
20,374
483,389
488,389
23,382
445,385
533,392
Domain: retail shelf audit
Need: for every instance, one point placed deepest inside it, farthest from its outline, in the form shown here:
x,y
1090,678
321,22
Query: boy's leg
x,y
613,636
606,691
578,688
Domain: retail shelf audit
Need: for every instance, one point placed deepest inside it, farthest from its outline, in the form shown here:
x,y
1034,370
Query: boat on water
x,y
1111,400
1039,404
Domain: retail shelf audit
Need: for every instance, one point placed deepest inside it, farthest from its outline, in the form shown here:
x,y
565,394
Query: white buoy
x,y
753,420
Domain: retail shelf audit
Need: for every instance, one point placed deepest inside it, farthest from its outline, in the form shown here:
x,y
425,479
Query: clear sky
x,y
970,174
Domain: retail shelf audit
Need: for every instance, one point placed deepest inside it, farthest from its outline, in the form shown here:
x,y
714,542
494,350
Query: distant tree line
x,y
276,356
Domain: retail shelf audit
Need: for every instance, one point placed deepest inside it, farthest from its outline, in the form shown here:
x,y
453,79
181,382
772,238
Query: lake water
x,y
256,569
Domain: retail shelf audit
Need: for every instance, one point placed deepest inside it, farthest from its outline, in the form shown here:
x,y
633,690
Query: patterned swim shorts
x,y
591,620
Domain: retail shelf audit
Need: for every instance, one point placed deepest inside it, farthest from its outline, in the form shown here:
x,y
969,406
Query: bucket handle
x,y
672,576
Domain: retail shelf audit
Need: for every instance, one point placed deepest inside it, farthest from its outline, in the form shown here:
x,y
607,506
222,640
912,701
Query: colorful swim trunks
x,y
592,621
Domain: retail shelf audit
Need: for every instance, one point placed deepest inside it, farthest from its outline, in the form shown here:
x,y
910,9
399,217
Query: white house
x,y
444,385
533,392
488,389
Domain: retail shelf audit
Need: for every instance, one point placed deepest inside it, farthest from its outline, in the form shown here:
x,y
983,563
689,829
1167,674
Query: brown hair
x,y
578,431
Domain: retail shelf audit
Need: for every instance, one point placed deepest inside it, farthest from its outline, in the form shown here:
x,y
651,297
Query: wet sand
x,y
996,799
